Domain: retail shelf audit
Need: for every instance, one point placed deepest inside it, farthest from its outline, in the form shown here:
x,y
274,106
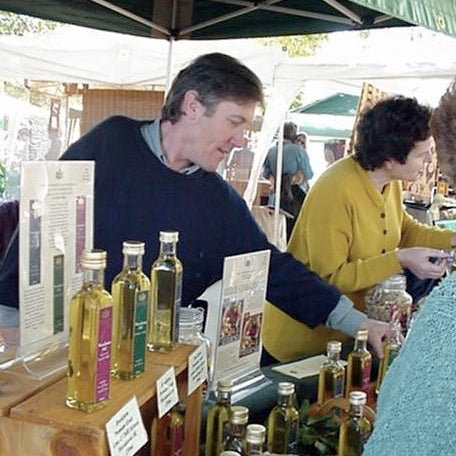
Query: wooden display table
x,y
34,420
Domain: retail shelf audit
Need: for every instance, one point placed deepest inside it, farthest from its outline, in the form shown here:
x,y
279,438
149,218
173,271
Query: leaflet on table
x,y
56,225
240,316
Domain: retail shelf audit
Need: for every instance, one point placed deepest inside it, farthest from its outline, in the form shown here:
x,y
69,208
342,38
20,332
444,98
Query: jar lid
x,y
93,259
133,248
239,414
357,397
256,433
334,346
229,453
397,281
189,316
362,334
224,385
169,236
286,388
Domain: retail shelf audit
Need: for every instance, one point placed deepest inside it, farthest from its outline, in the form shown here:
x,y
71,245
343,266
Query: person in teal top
x,y
416,408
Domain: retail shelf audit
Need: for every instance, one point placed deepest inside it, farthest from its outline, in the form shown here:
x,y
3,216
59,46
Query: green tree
x,y
296,46
18,24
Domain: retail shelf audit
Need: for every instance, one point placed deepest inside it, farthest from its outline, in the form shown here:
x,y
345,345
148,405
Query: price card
x,y
167,396
197,368
126,432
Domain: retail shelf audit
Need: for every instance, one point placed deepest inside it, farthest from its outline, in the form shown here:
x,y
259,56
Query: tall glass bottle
x,y
235,440
332,374
89,358
359,365
255,437
217,419
283,422
130,293
391,347
166,286
356,429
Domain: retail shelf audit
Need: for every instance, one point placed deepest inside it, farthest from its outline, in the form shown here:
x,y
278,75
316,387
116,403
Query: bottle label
x,y
57,291
177,305
103,354
293,438
140,331
365,375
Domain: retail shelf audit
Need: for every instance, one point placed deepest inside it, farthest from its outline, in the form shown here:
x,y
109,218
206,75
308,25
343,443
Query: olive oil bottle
x,y
391,347
130,293
166,291
89,359
218,418
359,365
332,374
236,438
283,422
356,429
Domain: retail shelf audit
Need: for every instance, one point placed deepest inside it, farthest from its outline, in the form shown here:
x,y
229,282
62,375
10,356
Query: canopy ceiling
x,y
216,19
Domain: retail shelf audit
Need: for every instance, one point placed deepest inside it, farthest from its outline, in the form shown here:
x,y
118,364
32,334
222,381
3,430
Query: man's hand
x,y
376,331
425,263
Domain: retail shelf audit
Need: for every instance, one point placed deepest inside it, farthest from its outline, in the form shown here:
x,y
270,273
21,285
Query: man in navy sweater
x,y
160,175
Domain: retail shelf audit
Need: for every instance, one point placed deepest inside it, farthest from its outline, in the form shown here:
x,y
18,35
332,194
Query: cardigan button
x,y
382,215
383,251
385,231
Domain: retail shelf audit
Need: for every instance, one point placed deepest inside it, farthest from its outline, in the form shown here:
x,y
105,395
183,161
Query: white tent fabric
x,y
81,55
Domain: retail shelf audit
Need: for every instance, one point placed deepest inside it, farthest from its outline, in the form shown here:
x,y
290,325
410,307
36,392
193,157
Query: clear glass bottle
x,y
391,348
283,422
356,429
255,437
390,297
89,357
130,293
191,332
166,292
235,440
218,418
359,365
332,374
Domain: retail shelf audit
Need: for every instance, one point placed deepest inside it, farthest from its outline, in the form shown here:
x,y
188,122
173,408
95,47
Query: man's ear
x,y
191,107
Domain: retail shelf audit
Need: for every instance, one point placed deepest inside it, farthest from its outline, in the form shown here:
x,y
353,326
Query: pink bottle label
x,y
104,354
366,374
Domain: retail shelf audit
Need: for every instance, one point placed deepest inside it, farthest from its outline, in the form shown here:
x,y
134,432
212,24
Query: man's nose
x,y
239,140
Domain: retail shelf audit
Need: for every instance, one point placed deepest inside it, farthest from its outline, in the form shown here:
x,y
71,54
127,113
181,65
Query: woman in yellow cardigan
x,y
353,230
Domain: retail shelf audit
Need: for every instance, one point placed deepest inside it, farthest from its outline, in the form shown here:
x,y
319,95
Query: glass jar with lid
x,y
390,298
191,331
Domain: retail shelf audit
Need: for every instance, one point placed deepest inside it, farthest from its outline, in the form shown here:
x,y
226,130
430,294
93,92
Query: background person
x,y
416,408
353,229
160,175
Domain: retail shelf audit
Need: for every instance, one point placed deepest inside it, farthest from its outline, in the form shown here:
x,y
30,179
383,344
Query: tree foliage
x,y
18,24
296,46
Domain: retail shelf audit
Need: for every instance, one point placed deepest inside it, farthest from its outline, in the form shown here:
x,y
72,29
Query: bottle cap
x,y
229,453
169,236
362,334
256,433
397,282
93,259
334,346
189,316
133,248
224,385
286,388
239,414
357,397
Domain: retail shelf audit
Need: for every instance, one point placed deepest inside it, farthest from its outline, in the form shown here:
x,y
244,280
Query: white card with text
x,y
126,431
197,368
167,395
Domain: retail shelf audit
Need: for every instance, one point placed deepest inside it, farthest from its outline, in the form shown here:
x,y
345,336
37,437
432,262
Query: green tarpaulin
x,y
215,19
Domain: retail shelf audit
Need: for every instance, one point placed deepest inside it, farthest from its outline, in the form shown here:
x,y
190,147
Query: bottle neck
x,y
238,430
285,400
224,397
333,356
254,448
167,249
356,411
132,262
360,345
93,277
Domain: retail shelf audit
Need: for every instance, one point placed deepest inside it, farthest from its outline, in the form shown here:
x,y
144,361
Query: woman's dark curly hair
x,y
389,131
443,127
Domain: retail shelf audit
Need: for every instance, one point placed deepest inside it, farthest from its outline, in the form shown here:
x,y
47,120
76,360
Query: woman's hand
x,y
424,262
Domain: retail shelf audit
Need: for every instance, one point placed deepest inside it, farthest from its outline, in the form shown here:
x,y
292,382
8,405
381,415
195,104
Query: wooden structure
x,y
34,419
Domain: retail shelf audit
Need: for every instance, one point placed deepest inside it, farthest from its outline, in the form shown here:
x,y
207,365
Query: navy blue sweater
x,y
136,196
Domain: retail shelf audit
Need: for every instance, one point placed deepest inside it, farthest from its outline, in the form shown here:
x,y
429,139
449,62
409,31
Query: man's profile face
x,y
215,135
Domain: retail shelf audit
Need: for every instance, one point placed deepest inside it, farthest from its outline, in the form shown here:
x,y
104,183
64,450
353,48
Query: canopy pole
x,y
169,64
278,180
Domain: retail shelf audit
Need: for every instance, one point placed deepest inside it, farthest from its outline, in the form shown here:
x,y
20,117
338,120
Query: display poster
x,y
236,325
56,225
